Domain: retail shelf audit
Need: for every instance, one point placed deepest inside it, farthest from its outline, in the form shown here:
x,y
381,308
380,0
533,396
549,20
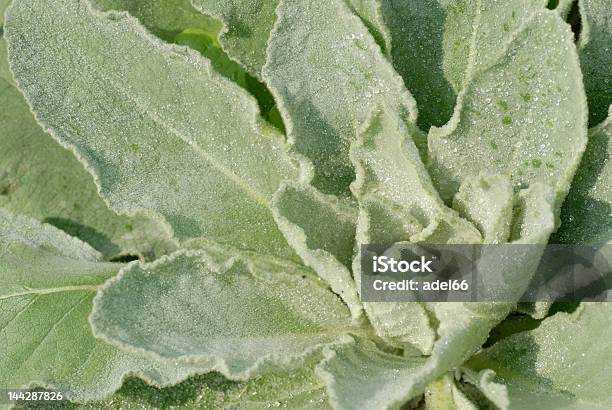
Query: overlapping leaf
x,y
327,73
397,202
596,56
164,18
41,179
562,364
445,394
300,212
487,201
433,43
248,25
154,124
178,22
525,116
293,389
47,282
585,216
462,327
482,386
238,321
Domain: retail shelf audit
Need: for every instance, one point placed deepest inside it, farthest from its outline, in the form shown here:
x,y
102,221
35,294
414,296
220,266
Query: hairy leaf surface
x,y
41,179
164,18
237,321
47,282
247,26
562,364
327,73
434,42
300,212
525,116
484,382
594,48
487,201
397,202
155,125
294,389
586,213
462,328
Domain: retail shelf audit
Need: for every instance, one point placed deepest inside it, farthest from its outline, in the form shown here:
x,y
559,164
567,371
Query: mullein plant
x,y
185,187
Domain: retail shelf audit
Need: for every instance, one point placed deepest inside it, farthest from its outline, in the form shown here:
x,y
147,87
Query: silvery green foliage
x,y
244,172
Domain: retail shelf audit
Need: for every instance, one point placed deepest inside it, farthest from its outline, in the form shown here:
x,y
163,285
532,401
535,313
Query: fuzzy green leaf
x,y
301,212
594,48
154,124
434,41
238,321
388,381
293,389
486,201
178,22
164,18
397,202
484,383
370,12
247,26
392,186
47,282
586,216
562,364
327,73
41,179
525,116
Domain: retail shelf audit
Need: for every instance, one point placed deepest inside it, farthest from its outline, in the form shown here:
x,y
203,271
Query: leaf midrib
x,y
201,152
47,291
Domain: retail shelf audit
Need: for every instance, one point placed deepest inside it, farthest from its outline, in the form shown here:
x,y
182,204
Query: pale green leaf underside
x,y
594,49
41,179
486,201
47,282
327,73
434,41
235,321
525,116
155,125
321,230
586,216
562,364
